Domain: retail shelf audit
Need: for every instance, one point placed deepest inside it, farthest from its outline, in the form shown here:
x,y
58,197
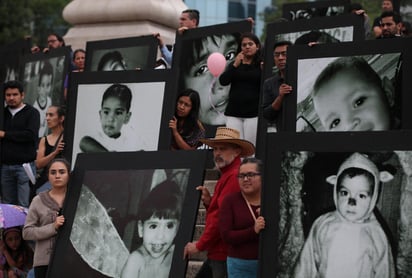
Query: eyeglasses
x,y
52,41
247,175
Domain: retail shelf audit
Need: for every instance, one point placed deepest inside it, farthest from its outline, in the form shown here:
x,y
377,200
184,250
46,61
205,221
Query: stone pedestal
x,y
108,19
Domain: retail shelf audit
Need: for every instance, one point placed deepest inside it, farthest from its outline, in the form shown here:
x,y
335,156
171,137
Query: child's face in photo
x,y
213,99
113,115
45,85
354,198
13,240
158,234
348,103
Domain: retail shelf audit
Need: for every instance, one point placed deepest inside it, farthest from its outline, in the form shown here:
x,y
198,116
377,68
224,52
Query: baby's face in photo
x,y
113,115
45,85
158,234
354,198
348,103
213,101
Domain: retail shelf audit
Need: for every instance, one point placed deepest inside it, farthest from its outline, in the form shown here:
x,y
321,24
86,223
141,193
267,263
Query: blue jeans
x,y
241,268
15,184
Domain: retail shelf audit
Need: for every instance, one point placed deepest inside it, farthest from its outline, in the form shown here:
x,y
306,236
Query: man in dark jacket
x,y
18,139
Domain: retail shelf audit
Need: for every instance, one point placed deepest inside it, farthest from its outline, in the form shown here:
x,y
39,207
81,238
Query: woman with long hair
x,y
243,75
45,218
185,125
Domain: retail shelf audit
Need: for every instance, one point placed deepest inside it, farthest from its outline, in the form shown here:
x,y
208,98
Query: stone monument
x,y
108,19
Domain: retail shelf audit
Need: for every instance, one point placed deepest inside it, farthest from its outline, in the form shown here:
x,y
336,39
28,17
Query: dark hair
x,y
396,17
315,36
60,110
58,37
191,121
253,160
23,250
353,172
110,56
60,159
193,14
119,91
353,64
163,201
257,58
46,69
13,84
77,51
282,43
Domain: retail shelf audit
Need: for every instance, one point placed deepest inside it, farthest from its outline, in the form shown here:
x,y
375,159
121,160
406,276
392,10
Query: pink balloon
x,y
216,63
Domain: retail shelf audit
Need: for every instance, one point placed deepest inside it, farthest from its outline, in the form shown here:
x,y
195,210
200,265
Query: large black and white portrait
x,y
116,111
358,86
11,56
190,57
134,53
129,215
343,205
43,78
307,10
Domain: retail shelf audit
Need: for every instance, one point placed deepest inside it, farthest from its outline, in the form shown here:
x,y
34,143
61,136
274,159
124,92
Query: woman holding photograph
x,y
185,125
44,218
243,75
240,221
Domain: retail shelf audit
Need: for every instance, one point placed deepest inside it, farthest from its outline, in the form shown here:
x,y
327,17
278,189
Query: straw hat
x,y
230,135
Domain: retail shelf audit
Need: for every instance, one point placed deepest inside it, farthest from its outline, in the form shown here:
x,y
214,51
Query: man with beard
x,y
227,151
391,25
18,144
275,88
386,6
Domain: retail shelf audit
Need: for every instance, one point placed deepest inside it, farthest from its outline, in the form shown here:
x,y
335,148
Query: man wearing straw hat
x,y
227,151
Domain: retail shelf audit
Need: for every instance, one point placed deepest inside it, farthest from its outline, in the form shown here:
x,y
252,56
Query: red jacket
x,y
211,240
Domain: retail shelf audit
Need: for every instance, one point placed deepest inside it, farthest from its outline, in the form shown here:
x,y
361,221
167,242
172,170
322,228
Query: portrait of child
x,y
158,222
114,114
196,75
349,241
112,61
44,100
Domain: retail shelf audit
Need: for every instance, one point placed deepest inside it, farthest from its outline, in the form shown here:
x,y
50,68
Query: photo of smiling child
x,y
196,75
43,100
158,221
349,95
114,114
349,241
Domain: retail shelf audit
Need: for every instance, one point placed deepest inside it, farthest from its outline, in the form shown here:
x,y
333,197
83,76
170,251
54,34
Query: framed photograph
x,y
134,53
405,10
129,214
190,56
375,98
307,10
315,183
43,76
119,111
11,56
344,28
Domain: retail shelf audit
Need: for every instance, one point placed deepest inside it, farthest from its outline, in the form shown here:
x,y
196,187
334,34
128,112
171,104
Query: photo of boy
x,y
349,95
158,221
114,113
43,100
196,75
349,241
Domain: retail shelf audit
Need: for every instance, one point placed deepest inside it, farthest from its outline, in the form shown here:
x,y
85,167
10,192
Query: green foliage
x,y
35,18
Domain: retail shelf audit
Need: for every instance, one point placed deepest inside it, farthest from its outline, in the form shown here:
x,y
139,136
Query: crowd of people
x,y
233,220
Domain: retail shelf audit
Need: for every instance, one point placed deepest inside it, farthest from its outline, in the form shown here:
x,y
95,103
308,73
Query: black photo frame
x,y
114,185
146,127
307,10
192,41
11,56
131,53
389,59
296,193
56,63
